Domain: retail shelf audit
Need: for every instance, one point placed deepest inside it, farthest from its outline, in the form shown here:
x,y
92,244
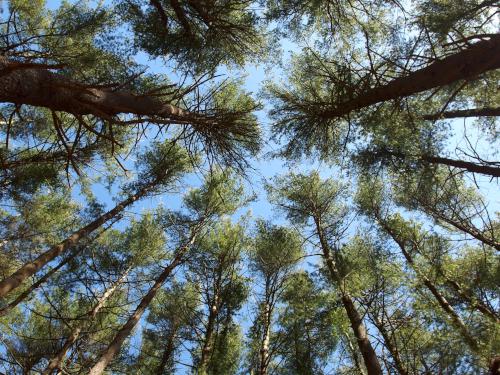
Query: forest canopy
x,y
229,187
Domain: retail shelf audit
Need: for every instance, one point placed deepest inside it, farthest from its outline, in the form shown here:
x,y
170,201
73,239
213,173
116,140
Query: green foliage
x,y
198,35
276,249
308,326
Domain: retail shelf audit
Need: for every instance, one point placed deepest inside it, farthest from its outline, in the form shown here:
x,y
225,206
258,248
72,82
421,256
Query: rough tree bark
x,y
266,339
468,63
43,88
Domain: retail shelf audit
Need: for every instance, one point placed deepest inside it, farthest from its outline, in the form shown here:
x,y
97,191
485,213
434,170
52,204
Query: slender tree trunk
x,y
468,63
206,350
56,361
440,299
17,278
484,169
369,356
473,112
473,302
115,346
168,353
35,285
474,232
354,353
391,346
266,339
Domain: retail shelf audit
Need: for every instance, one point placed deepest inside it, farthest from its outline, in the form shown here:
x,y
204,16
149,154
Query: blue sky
x,y
265,169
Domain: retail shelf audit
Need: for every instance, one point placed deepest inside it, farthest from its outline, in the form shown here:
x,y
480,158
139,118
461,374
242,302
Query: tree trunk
x,y
56,361
207,342
471,167
266,338
168,353
115,346
473,302
40,87
391,346
462,113
35,285
441,300
17,278
474,232
468,166
466,64
369,356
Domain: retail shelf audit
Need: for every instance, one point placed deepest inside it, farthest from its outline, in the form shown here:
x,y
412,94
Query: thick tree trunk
x,y
115,346
391,346
17,278
369,356
56,361
440,299
462,113
468,63
42,88
471,167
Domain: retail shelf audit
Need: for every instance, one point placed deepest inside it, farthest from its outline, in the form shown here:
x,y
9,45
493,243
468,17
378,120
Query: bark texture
x,y
43,88
468,63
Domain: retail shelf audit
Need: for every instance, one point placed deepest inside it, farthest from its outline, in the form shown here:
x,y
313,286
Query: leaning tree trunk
x,y
115,346
391,346
369,356
56,361
168,354
35,285
488,170
17,278
466,64
469,229
474,302
463,113
441,300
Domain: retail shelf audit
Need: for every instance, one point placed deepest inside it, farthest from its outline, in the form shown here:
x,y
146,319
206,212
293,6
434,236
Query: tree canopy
x,y
229,187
